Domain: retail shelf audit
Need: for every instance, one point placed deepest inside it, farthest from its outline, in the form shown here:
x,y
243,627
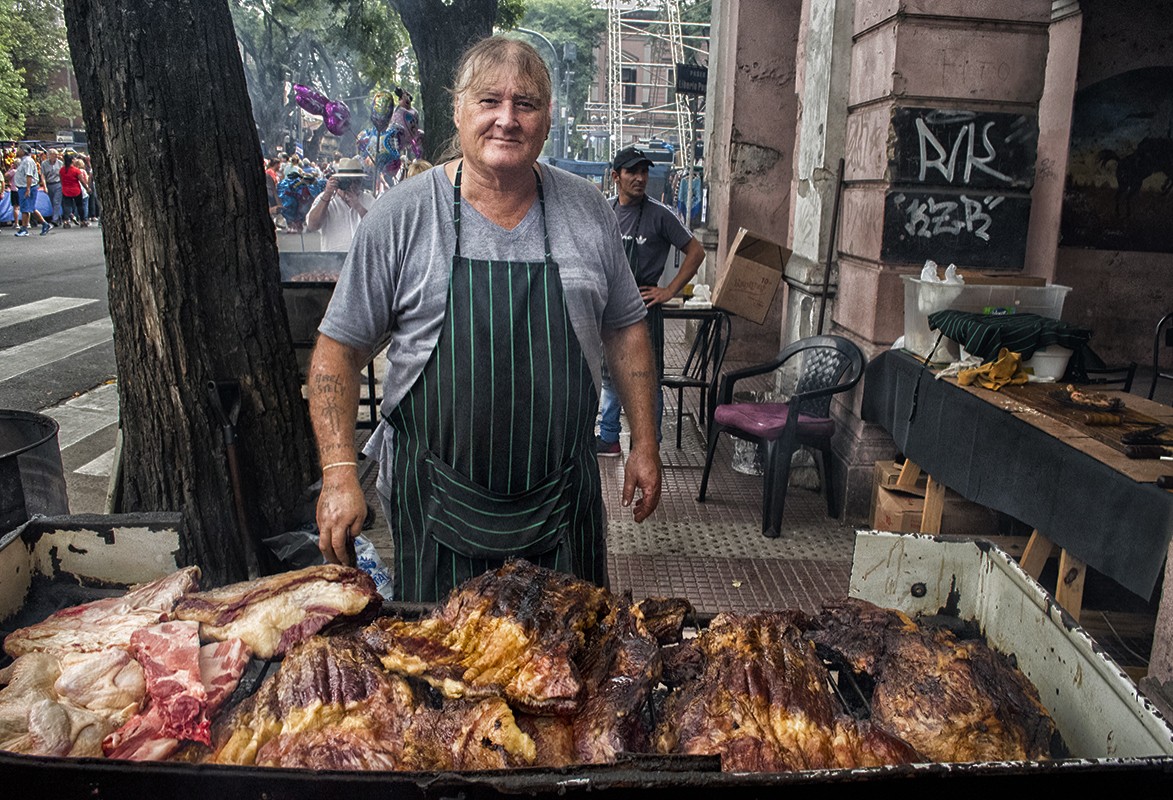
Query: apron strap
x,y
541,206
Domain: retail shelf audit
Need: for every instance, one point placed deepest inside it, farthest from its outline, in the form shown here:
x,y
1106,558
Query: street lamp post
x,y
560,125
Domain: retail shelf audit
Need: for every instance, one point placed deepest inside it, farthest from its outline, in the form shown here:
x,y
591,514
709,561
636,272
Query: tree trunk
x,y
193,273
439,35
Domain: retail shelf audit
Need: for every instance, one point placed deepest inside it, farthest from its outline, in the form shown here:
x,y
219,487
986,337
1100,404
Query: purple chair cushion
x,y
768,419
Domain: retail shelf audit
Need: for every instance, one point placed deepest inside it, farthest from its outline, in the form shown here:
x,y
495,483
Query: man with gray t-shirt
x,y
650,230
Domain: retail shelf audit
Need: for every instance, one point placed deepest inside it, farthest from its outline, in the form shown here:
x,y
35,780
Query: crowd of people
x,y
329,197
64,177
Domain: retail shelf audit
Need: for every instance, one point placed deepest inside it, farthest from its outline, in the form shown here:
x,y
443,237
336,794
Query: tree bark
x,y
439,35
194,283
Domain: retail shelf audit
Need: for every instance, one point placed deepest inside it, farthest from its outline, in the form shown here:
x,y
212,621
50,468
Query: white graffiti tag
x,y
967,134
928,217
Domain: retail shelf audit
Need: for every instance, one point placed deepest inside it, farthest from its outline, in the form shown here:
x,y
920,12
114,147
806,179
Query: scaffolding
x,y
646,39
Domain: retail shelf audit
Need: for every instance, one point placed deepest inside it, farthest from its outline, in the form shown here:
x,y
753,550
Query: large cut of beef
x,y
104,623
953,699
333,706
762,700
514,633
272,614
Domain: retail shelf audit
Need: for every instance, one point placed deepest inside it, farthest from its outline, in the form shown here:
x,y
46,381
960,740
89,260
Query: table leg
x,y
909,474
1069,591
1035,556
934,507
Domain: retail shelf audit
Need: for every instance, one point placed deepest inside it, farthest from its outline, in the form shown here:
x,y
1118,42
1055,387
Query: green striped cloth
x,y
984,335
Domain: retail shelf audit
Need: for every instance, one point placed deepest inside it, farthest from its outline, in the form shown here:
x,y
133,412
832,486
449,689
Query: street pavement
x,y
57,348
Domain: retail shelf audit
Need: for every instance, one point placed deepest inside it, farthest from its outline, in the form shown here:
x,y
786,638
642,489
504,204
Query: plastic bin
x,y
32,480
922,299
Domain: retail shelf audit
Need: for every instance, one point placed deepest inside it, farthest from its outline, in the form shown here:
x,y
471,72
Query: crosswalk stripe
x,y
85,415
100,466
26,357
40,308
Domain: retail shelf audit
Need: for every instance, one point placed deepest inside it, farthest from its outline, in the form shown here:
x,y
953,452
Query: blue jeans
x,y
609,411
55,200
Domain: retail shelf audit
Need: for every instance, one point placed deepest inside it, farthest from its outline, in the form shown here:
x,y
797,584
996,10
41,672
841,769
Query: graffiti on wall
x,y
960,183
1119,189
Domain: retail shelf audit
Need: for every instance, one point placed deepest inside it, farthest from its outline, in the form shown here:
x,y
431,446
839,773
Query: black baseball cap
x,y
629,157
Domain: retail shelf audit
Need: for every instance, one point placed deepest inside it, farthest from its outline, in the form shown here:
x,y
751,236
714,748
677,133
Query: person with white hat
x,y
337,211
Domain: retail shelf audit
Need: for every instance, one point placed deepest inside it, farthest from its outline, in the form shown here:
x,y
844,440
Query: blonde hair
x,y
488,56
418,166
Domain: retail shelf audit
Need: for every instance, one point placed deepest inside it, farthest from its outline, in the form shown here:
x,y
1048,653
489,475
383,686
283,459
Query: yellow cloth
x,y
1005,370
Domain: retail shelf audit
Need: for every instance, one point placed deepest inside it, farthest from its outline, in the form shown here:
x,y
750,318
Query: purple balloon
x,y
337,117
310,101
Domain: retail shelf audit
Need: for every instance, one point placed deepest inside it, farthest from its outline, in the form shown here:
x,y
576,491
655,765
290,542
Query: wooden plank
x,y
1069,592
934,507
909,474
1034,558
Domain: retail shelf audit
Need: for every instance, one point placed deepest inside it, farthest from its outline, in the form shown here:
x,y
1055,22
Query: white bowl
x,y
1048,363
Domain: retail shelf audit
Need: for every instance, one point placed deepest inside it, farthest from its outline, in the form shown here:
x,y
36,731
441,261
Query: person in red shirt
x,y
72,179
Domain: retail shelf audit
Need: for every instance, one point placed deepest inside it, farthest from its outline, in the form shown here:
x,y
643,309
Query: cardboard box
x,y
900,512
749,280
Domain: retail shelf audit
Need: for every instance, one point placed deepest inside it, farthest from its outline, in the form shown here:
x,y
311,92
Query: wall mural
x,y
1119,190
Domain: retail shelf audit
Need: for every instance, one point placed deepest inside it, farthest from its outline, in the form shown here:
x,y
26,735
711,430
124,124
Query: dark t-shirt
x,y
659,231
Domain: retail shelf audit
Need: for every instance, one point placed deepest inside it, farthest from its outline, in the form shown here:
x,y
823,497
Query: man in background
x,y
51,170
650,230
337,211
28,182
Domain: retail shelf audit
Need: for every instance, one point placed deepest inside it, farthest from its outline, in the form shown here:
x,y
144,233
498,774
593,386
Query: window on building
x,y
628,78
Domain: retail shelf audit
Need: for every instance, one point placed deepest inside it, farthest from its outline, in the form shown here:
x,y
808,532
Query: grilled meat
x,y
664,617
272,614
513,632
763,702
952,699
332,706
620,666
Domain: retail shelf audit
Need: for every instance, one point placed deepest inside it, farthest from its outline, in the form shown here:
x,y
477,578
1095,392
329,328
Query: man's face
x,y
502,127
53,156
632,183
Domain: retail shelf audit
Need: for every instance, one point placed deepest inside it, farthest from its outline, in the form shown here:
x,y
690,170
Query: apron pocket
x,y
475,522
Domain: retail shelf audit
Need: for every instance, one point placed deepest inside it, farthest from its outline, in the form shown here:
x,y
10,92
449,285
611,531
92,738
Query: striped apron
x,y
494,443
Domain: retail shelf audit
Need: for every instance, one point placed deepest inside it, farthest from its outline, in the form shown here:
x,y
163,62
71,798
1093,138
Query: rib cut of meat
x,y
953,699
763,702
332,706
148,737
170,657
272,614
513,632
104,623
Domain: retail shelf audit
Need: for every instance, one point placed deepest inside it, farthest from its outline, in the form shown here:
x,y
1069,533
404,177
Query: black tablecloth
x,y
1120,527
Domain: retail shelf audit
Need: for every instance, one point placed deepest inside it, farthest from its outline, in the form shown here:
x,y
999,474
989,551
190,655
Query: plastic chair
x,y
1121,376
702,368
1165,327
828,365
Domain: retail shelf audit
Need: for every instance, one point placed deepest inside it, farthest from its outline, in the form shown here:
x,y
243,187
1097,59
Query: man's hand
x,y
655,295
342,508
331,187
642,471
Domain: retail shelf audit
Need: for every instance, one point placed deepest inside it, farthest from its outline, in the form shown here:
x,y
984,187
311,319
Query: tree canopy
x,y
33,54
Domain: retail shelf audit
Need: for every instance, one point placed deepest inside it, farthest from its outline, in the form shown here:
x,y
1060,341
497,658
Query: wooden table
x,y
1011,451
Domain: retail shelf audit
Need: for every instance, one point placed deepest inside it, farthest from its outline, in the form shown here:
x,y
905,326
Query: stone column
x,y
750,135
940,150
